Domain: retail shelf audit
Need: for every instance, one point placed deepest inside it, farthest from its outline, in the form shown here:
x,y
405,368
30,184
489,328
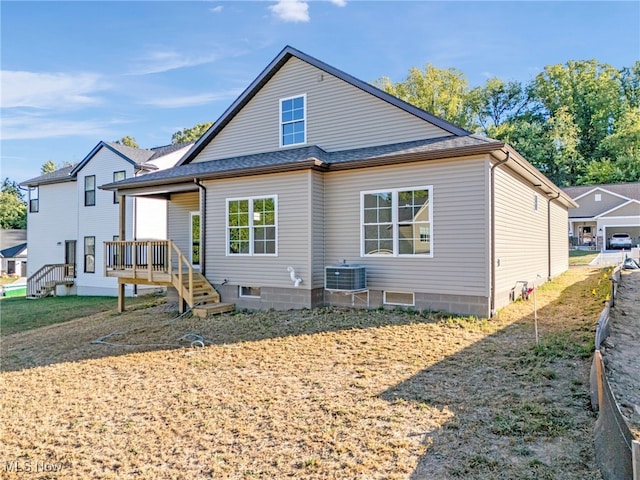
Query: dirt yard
x,y
319,394
621,350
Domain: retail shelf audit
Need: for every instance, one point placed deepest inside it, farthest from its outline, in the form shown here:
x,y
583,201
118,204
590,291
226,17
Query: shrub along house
x,y
315,188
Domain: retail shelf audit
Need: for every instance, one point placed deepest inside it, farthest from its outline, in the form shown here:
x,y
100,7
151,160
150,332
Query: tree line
x,y
578,123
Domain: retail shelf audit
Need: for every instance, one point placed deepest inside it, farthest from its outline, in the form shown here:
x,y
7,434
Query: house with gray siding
x,y
604,210
316,188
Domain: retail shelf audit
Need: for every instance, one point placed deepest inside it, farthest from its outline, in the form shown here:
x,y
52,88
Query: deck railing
x,y
47,277
137,255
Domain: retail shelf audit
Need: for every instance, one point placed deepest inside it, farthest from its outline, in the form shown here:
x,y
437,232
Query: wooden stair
x,y
203,299
43,283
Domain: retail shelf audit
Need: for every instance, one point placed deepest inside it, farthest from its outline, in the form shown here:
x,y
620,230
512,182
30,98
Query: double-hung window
x,y
252,226
89,254
34,200
89,190
117,176
397,222
293,125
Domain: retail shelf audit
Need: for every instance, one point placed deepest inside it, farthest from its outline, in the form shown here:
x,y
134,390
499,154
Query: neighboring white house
x,y
13,252
311,166
69,218
604,210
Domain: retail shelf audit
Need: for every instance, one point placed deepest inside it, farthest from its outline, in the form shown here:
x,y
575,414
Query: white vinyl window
x,y
250,292
397,222
252,226
293,124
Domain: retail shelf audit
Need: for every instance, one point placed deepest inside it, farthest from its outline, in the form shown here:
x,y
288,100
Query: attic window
x,y
293,113
598,197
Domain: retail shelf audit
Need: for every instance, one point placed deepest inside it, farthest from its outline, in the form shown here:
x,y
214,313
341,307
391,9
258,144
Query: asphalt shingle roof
x,y
629,190
307,154
137,155
61,175
13,252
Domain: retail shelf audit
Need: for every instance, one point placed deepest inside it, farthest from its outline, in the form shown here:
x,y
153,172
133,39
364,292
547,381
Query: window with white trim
x,y
293,125
250,292
252,226
405,299
397,222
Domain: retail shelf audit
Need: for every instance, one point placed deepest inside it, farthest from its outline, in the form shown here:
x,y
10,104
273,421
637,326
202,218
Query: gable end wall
x,y
339,117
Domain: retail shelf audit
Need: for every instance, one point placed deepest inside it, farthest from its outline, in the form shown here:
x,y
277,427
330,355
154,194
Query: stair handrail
x,y
182,262
55,272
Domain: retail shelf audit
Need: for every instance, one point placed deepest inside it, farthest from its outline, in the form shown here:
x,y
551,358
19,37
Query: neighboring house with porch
x,y
69,218
603,211
316,188
13,252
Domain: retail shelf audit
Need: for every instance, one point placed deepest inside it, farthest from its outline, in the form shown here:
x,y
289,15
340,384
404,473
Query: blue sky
x,y
75,73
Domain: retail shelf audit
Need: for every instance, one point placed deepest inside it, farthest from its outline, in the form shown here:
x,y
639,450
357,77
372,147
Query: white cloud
x,y
26,127
49,90
217,9
172,101
339,3
291,10
165,60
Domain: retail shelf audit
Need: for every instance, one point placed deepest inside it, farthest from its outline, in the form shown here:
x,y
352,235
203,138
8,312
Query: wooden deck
x,y
160,262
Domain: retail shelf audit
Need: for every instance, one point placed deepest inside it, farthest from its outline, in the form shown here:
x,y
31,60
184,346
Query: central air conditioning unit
x,y
345,278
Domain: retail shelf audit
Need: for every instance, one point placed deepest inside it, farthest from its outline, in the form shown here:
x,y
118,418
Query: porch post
x,y
122,236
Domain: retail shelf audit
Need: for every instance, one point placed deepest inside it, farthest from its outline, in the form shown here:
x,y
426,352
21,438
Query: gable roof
x,y
138,157
275,65
13,252
618,207
628,191
135,156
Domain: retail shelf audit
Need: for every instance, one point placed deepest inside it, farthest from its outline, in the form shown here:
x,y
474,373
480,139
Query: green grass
x,y
530,419
581,257
19,314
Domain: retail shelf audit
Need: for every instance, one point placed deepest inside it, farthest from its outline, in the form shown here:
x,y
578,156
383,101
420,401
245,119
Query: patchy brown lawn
x,y
328,393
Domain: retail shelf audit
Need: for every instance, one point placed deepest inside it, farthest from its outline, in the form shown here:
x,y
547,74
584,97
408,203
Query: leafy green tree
x,y
13,208
590,93
48,167
630,83
498,102
190,134
444,93
127,142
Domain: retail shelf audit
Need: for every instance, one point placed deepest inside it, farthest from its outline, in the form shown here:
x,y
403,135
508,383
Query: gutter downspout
x,y
549,200
203,224
492,300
